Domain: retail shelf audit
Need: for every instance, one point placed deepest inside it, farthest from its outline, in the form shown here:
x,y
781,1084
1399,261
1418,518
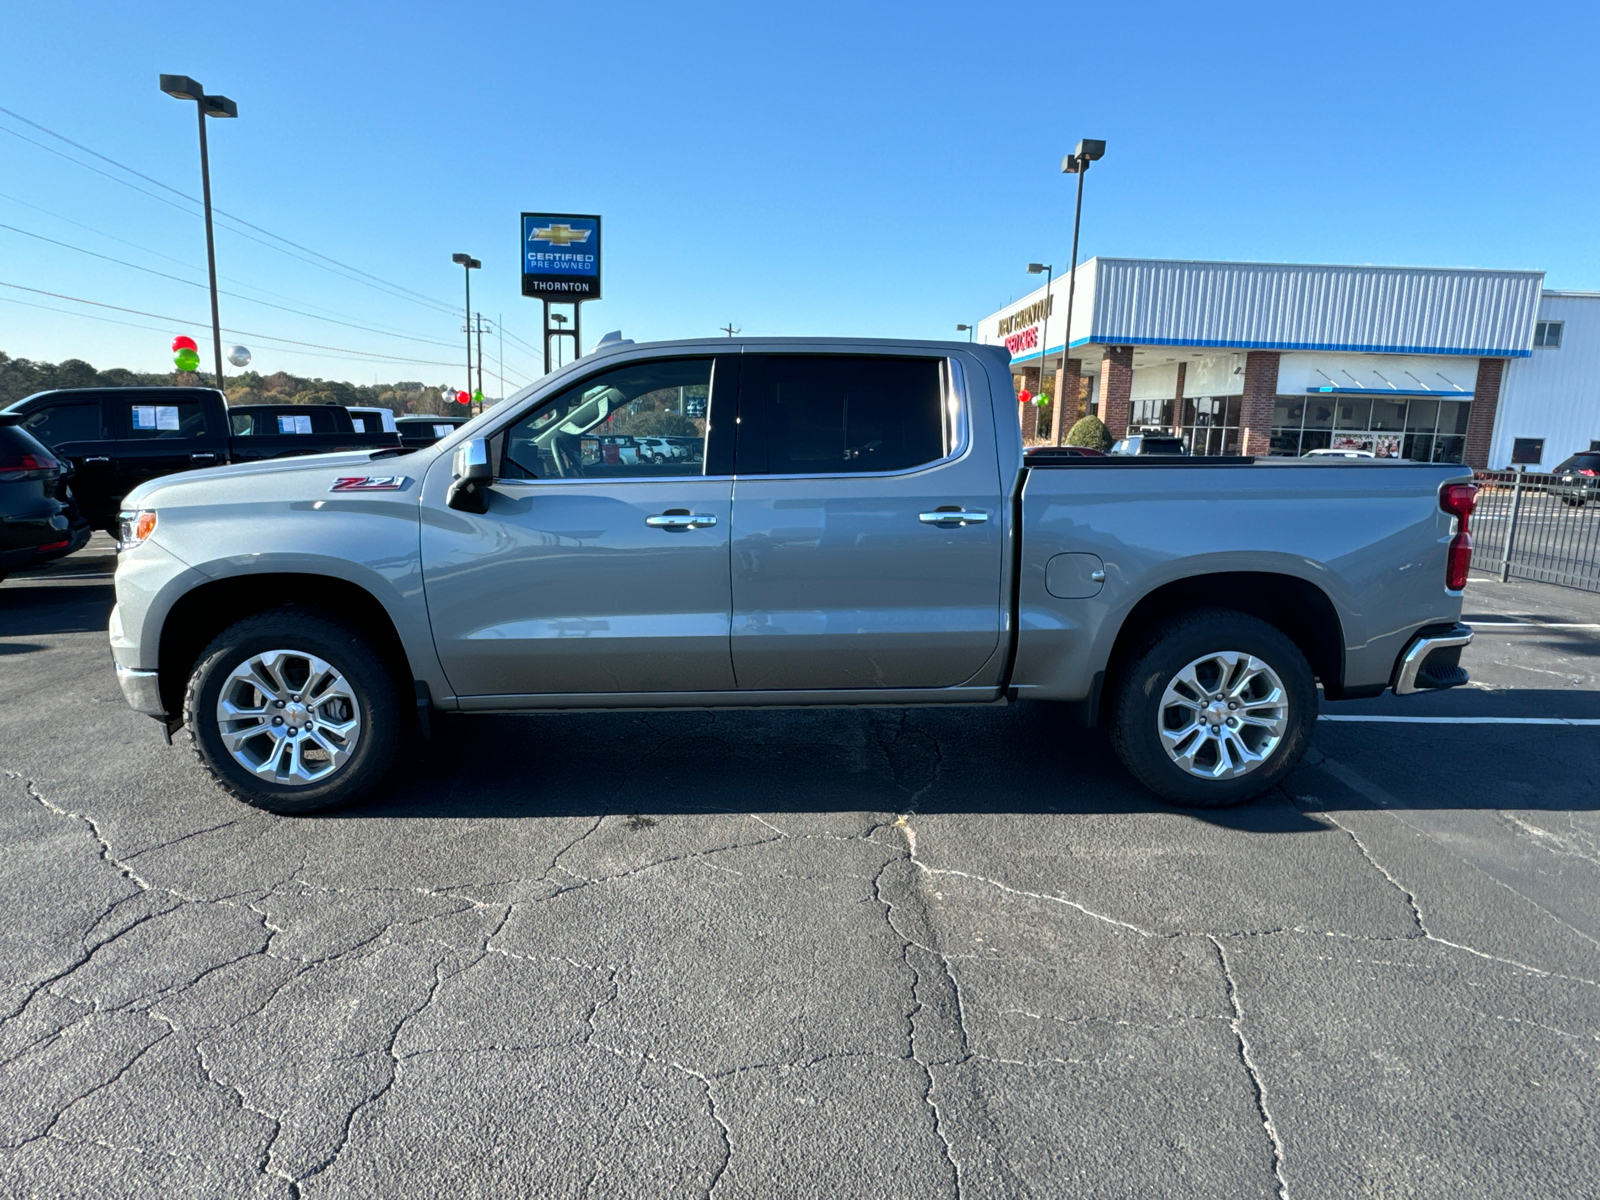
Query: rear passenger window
x,y
63,423
841,414
174,419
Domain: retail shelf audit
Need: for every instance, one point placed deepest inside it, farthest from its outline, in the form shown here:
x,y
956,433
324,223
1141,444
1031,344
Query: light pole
x,y
1077,163
560,321
181,87
966,329
1048,272
468,266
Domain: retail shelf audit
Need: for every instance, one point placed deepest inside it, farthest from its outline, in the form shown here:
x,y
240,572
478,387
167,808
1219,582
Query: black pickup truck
x,y
116,438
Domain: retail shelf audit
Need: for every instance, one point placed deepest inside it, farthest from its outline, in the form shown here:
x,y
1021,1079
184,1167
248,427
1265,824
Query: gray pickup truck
x,y
859,526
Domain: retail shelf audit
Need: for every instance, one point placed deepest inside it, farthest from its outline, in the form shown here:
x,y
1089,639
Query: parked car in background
x,y
117,438
1327,453
1577,481
659,449
1149,443
417,432
371,420
34,524
896,549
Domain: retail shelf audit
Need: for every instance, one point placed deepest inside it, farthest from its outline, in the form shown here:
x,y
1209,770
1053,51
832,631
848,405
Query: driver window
x,y
642,420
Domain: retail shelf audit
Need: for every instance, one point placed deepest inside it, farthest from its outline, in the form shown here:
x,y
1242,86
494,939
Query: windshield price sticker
x,y
155,416
560,256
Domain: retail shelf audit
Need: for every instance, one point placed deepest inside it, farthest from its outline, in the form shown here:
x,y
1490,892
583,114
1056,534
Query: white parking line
x,y
1460,720
1481,626
59,578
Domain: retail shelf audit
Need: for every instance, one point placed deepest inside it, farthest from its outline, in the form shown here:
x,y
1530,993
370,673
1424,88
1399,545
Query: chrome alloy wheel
x,y
1223,715
288,717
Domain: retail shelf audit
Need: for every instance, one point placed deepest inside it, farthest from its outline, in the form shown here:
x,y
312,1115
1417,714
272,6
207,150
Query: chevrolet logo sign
x,y
560,235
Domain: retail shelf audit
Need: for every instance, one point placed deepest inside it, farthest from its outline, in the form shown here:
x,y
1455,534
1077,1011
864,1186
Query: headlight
x,y
134,528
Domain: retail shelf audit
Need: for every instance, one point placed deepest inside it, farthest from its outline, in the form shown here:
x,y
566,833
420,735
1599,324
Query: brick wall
x,y
1255,406
1485,400
1116,389
1069,399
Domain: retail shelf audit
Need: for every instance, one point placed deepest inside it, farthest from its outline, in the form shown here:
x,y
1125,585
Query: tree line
x,y
21,377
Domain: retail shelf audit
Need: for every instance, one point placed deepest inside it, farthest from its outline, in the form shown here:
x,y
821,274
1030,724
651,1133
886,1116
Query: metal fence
x,y
1529,526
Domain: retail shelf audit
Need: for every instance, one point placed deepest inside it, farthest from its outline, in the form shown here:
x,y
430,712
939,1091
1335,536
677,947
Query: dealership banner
x,y
560,256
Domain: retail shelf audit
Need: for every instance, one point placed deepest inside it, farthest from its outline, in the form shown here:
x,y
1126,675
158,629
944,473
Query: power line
x,y
214,209
182,263
138,312
390,289
206,287
83,316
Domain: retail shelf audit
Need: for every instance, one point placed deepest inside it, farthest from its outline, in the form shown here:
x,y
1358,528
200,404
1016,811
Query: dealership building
x,y
1482,367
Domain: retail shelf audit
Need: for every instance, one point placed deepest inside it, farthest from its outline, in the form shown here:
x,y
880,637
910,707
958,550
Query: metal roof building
x,y
1264,358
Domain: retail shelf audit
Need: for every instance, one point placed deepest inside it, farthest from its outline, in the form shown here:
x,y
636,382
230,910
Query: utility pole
x,y
730,330
475,326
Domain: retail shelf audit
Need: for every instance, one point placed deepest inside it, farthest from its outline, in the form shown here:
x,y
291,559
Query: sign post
x,y
561,265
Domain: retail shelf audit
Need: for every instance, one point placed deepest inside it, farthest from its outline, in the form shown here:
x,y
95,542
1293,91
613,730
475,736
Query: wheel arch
x,y
203,612
1298,607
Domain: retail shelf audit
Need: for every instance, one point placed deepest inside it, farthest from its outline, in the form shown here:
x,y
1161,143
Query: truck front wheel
x,y
1214,708
293,712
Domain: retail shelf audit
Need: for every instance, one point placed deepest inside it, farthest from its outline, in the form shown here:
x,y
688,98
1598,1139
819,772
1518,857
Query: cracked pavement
x,y
804,953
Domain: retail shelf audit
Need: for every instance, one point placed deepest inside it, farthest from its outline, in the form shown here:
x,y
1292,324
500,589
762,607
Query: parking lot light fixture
x,y
1077,163
966,329
181,87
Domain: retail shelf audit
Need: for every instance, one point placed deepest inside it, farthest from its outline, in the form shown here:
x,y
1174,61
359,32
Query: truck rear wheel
x,y
293,712
1214,708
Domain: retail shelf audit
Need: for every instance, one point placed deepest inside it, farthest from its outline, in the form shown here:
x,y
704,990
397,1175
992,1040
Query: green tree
x,y
1090,433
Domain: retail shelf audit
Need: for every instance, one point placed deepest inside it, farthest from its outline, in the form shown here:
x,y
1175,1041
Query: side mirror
x,y
470,466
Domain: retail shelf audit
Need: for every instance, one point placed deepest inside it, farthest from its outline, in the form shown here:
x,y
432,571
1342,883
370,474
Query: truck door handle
x,y
953,516
680,519
199,454
96,458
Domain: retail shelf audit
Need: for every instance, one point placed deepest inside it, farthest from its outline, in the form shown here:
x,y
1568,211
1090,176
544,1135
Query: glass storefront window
x,y
1422,415
1453,417
1418,428
1354,414
1388,414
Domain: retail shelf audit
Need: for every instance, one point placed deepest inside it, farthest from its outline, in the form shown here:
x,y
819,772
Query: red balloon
x,y
1024,396
463,398
183,342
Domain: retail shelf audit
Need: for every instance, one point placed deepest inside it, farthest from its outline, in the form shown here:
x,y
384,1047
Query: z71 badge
x,y
369,483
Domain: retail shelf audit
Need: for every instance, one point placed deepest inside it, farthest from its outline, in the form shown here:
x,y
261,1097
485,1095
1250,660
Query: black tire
x,y
1138,713
369,681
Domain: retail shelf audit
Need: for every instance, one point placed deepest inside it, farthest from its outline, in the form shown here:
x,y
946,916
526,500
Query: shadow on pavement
x,y
1025,759
38,608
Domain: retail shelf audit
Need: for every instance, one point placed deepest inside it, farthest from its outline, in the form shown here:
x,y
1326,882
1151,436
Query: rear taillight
x,y
17,462
1457,499
1587,471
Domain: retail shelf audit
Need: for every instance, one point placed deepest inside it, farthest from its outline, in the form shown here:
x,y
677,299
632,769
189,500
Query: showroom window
x,y
1211,424
1417,428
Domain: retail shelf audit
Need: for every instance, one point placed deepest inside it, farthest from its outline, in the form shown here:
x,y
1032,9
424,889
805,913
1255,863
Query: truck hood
x,y
315,467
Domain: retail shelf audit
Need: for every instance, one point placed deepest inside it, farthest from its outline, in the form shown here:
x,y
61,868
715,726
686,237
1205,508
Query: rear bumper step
x,y
1433,660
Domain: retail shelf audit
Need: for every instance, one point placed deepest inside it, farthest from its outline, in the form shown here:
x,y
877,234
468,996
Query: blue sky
x,y
861,169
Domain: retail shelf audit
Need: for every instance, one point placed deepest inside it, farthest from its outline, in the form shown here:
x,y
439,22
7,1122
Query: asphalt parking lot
x,y
857,954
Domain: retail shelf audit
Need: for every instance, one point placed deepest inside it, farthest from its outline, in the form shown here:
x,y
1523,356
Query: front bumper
x,y
142,691
1432,660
